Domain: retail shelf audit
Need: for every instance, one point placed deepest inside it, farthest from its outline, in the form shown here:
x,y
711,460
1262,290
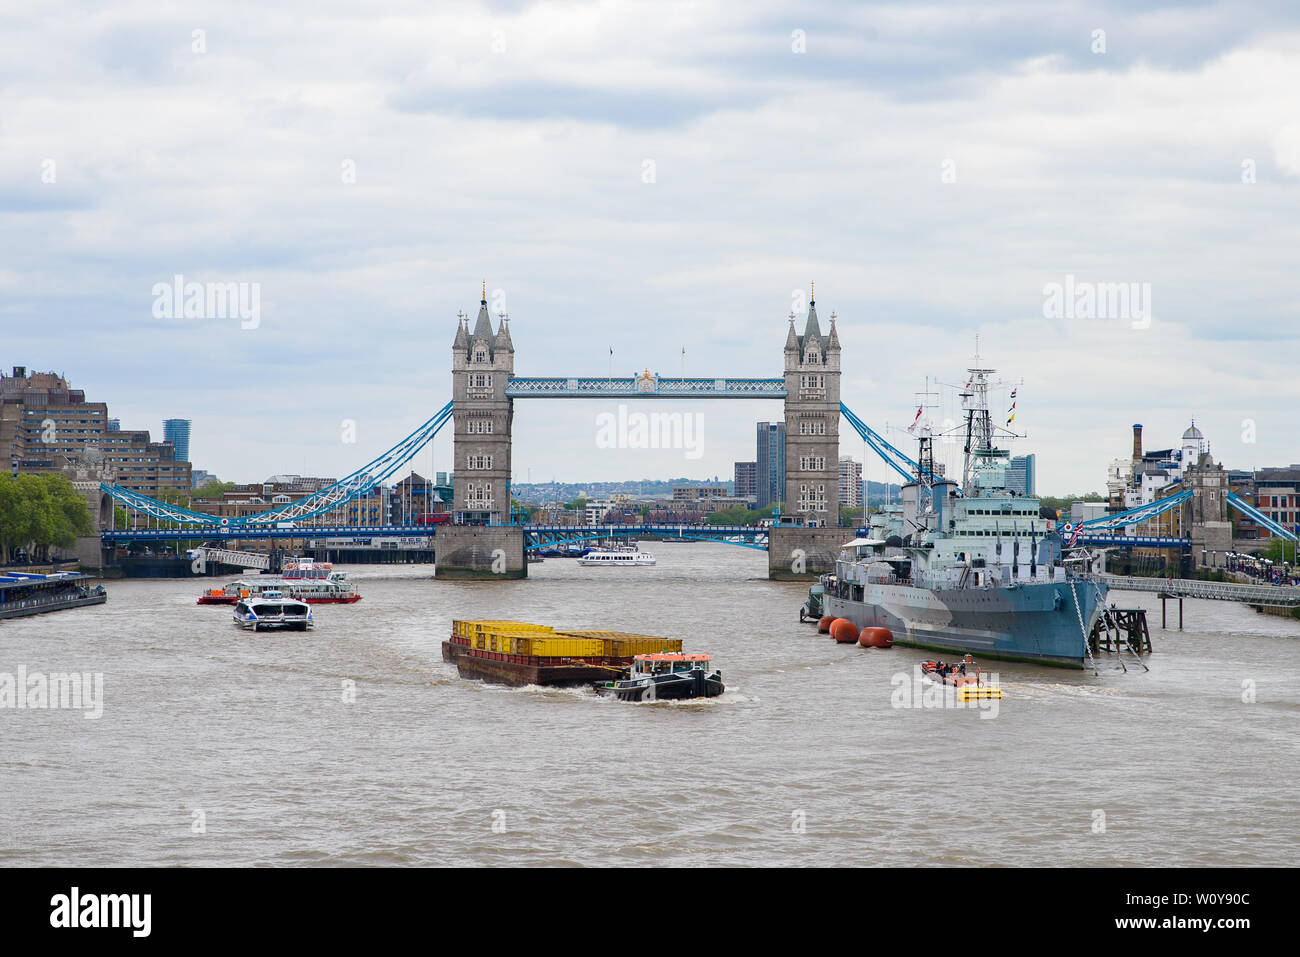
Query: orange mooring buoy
x,y
844,631
876,638
824,625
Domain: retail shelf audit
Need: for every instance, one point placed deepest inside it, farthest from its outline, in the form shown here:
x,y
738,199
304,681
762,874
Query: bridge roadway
x,y
538,536
643,387
224,533
1144,541
1279,595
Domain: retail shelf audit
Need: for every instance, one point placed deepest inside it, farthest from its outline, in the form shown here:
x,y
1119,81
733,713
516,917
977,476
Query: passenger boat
x,y
30,593
313,582
616,556
272,610
666,676
317,583
964,675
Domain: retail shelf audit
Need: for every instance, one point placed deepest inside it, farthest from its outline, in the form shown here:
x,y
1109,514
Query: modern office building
x,y
177,432
201,477
746,483
1022,475
696,493
850,481
770,465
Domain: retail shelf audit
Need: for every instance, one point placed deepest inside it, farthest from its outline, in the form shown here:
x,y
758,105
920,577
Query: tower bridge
x,y
482,538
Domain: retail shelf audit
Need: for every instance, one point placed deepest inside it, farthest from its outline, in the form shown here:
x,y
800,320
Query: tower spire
x,y
484,291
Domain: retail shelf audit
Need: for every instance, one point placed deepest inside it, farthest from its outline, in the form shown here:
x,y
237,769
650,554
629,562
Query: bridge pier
x,y
800,553
487,552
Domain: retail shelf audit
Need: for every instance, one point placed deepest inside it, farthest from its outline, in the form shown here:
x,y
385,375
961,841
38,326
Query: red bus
x,y
433,518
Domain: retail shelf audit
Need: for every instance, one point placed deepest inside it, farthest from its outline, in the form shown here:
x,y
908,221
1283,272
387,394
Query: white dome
x,y
1193,433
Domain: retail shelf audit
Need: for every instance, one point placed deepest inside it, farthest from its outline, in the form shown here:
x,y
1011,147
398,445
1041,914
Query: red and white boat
x,y
314,582
317,583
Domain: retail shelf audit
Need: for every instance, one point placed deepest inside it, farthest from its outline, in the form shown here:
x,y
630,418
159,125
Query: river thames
x,y
221,747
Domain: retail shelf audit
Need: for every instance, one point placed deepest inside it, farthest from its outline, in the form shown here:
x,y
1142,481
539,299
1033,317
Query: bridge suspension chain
x,y
346,490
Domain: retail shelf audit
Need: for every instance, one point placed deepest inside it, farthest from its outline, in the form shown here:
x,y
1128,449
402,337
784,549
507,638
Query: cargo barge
x,y
521,653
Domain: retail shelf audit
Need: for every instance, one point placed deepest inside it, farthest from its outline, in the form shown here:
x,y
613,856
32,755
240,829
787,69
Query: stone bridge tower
x,y
812,422
482,363
481,542
1205,514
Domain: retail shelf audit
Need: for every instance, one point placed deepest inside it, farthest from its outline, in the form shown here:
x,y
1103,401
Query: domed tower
x,y
1193,446
482,364
812,421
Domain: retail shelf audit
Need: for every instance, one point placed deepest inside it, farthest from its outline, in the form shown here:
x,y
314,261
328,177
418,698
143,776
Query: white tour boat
x,y
616,556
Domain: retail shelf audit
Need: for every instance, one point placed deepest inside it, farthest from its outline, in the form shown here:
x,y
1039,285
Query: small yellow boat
x,y
965,676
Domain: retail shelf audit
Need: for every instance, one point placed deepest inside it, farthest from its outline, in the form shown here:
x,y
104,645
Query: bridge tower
x,y
482,363
482,543
812,455
1205,514
812,422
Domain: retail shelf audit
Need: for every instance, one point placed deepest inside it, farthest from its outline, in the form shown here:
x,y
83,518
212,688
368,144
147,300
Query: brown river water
x,y
804,761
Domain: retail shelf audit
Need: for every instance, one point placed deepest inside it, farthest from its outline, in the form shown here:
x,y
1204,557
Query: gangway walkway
x,y
226,556
1283,596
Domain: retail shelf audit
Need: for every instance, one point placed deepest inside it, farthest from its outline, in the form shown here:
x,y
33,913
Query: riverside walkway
x,y
1279,595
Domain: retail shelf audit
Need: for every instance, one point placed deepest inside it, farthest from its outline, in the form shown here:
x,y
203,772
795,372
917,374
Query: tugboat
x,y
666,676
964,675
271,610
811,610
229,594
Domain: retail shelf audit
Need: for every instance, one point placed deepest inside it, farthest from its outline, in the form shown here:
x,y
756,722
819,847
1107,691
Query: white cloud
x,y
773,168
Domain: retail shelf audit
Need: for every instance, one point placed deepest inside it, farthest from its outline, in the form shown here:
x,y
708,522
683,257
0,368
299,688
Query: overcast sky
x,y
933,167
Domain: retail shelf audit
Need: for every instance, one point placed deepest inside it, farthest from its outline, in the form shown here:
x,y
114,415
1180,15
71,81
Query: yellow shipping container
x,y
555,646
622,644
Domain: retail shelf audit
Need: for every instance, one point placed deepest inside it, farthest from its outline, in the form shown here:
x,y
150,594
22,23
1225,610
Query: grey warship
x,y
977,569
